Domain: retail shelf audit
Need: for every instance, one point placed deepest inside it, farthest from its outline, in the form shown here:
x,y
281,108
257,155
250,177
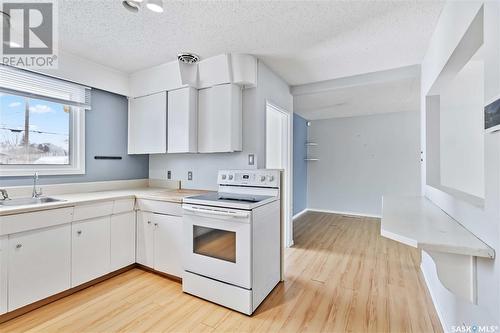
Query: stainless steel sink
x,y
28,201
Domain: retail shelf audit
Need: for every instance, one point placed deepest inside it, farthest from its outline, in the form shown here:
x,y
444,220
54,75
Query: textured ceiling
x,y
303,41
394,95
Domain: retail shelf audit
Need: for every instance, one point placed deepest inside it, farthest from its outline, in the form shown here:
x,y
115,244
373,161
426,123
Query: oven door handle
x,y
216,212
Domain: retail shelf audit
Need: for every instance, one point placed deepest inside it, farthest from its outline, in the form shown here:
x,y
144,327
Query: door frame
x,y
287,183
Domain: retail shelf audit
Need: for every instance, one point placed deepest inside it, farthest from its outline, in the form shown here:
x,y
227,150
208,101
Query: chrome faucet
x,y
4,194
36,192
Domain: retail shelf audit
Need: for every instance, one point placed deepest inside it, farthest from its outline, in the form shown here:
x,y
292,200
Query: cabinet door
x,y
39,264
3,273
145,239
147,124
122,240
182,121
168,244
219,119
90,249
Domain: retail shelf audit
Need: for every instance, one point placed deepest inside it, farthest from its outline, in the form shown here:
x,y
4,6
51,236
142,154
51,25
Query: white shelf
x,y
311,144
311,159
418,222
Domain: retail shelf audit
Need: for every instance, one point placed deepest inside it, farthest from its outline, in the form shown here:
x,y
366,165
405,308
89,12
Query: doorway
x,y
279,156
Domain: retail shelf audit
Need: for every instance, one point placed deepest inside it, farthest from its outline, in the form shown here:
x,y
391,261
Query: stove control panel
x,y
255,177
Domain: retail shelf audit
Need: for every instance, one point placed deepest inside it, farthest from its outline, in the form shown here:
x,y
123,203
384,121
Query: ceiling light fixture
x,y
132,5
5,18
155,5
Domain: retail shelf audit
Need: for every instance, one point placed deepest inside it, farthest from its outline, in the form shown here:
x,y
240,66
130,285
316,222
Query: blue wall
x,y
299,164
105,134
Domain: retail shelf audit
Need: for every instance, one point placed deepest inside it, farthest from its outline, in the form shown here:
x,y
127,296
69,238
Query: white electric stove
x,y
232,240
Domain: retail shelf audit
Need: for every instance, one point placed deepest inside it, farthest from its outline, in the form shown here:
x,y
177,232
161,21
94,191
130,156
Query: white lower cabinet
x,y
145,238
3,273
39,264
159,242
122,240
90,249
168,244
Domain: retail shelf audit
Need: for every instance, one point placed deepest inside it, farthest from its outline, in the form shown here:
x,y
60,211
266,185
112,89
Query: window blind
x,y
22,82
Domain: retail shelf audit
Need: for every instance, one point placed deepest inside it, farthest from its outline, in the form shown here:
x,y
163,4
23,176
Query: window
x,y
41,124
33,131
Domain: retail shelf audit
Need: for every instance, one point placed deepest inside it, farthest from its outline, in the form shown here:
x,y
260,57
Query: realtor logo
x,y
29,36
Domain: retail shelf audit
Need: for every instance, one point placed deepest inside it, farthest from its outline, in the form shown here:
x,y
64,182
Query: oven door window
x,y
215,243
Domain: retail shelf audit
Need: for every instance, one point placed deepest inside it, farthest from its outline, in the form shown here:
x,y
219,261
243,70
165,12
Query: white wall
x,y
205,166
361,159
88,73
462,131
465,21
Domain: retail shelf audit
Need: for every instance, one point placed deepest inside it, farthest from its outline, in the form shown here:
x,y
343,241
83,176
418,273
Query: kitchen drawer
x,y
123,206
160,207
89,211
12,224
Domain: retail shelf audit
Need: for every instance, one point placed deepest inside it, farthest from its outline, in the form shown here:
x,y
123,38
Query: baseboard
x,y
342,212
302,212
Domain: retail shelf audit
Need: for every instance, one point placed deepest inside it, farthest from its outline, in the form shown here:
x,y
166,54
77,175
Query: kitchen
x,y
246,184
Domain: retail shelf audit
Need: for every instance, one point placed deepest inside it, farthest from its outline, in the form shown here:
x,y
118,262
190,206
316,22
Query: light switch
x,y
251,159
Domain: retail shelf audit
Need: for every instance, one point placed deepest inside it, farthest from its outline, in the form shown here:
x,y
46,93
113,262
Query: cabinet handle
x,y
79,232
156,224
149,222
18,246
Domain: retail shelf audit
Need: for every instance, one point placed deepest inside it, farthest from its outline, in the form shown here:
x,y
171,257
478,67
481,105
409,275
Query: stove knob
x,y
262,178
230,177
224,177
271,178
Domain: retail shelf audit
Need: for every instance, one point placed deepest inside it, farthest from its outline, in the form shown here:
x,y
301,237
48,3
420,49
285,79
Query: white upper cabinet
x,y
155,79
214,70
147,124
221,69
219,119
182,121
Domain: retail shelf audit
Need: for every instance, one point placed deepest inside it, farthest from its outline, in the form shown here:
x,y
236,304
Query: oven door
x,y
217,243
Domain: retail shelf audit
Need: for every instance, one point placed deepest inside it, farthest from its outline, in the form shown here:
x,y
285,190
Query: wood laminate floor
x,y
341,275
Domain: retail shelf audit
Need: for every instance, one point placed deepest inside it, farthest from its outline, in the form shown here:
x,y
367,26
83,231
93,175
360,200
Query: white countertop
x,y
73,199
418,222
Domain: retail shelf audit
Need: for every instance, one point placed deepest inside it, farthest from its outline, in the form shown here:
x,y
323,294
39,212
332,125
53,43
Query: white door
x,y
122,240
145,239
90,249
217,244
182,121
279,156
39,264
168,244
147,124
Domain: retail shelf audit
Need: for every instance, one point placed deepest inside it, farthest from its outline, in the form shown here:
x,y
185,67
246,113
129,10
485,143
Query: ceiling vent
x,y
188,58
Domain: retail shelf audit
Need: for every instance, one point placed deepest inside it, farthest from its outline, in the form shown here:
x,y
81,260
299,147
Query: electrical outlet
x,y
169,174
251,159
190,175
